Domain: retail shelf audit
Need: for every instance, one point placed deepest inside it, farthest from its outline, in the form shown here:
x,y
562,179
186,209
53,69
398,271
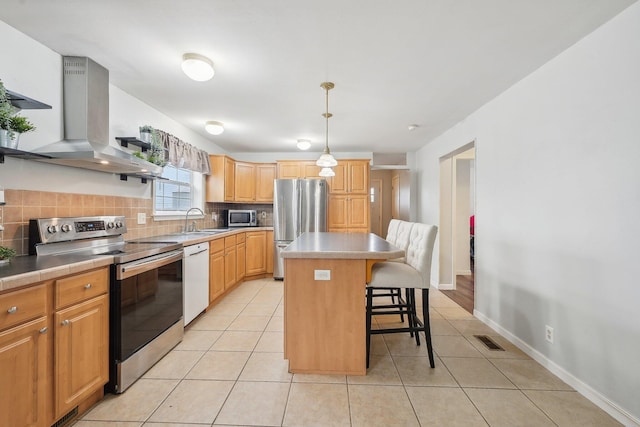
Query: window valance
x,y
184,155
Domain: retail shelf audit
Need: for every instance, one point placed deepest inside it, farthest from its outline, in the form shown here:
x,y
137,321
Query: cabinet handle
x,y
44,330
87,286
65,322
12,310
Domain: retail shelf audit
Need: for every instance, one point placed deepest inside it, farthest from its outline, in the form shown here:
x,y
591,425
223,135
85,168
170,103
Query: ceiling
x,y
394,63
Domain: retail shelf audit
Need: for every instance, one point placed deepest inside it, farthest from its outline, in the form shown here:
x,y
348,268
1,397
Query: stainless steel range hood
x,y
86,124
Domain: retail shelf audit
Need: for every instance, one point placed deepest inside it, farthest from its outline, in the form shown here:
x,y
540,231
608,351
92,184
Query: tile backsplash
x,y
22,205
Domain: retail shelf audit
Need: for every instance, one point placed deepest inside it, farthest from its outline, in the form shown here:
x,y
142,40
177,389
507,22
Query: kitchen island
x,y
324,300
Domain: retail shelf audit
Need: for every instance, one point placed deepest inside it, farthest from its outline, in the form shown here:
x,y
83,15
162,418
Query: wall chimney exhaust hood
x,y
86,124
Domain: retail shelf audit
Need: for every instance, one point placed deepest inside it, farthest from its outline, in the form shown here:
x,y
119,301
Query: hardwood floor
x,y
463,294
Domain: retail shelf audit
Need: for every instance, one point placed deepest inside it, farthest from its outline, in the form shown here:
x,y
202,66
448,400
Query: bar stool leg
x,y
369,313
427,325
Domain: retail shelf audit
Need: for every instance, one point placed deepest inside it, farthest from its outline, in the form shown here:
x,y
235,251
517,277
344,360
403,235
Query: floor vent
x,y
68,417
491,344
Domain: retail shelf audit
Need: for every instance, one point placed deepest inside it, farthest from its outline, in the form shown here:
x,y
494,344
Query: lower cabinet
x,y
216,269
54,348
269,243
24,374
256,252
81,361
230,261
241,252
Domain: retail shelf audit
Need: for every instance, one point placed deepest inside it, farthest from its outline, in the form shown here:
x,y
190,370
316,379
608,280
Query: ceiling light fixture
x,y
326,160
214,128
197,67
327,172
413,127
303,144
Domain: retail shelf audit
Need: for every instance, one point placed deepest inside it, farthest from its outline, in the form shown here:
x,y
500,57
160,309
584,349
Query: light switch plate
x,y
142,218
321,274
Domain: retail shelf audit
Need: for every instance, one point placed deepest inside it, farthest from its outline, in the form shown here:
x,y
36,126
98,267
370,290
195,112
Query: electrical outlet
x,y
548,333
321,274
264,214
214,217
142,218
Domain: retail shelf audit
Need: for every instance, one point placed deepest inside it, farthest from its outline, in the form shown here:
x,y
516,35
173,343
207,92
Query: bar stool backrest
x,y
420,250
404,234
392,231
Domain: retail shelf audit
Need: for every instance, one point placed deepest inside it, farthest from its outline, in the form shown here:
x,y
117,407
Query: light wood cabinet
x,y
256,252
349,212
290,169
24,373
240,256
265,174
351,176
245,182
216,269
81,362
269,250
220,184
230,261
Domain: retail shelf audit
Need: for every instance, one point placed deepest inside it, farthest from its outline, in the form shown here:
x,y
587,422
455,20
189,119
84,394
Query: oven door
x,y
146,298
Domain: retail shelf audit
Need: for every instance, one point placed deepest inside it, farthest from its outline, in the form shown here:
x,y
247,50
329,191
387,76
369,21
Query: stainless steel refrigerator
x,y
299,205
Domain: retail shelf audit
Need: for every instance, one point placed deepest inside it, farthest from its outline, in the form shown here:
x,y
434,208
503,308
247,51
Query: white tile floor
x,y
230,370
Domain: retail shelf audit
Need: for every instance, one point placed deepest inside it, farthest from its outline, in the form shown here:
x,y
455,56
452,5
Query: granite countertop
x,y
28,270
341,246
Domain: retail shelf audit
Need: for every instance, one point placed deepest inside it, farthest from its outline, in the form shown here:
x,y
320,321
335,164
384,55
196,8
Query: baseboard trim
x,y
444,286
463,273
587,391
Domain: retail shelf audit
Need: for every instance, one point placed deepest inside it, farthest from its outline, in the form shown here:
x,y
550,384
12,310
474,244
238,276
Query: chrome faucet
x,y
186,218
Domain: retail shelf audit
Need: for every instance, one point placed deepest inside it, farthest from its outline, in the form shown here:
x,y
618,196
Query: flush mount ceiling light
x,y
213,127
327,172
412,127
326,160
197,67
303,144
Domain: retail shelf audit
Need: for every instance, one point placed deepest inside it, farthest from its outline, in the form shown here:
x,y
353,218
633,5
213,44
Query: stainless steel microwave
x,y
240,218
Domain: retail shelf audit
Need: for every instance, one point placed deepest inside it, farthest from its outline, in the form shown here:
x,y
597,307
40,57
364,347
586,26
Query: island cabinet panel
x,y
81,359
24,374
245,182
325,320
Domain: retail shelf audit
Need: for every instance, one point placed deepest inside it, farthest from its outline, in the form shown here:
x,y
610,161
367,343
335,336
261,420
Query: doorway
x,y
457,207
376,206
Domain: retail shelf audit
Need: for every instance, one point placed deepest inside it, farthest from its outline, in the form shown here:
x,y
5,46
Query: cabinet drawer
x,y
81,287
19,306
240,238
230,241
216,246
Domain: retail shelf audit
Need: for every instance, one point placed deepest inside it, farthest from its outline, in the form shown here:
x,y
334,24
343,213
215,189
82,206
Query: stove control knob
x,y
65,228
119,224
110,225
52,229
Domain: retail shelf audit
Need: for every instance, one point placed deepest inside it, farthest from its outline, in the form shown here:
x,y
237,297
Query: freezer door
x,y
313,205
278,261
285,209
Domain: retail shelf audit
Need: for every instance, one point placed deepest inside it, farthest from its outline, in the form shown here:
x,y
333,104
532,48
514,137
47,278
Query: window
x,y
180,190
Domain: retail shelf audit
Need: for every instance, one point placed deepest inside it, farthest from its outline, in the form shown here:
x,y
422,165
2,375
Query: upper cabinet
x,y
352,176
290,169
235,181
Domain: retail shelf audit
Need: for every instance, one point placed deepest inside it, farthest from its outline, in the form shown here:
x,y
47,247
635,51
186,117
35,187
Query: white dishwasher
x,y
195,272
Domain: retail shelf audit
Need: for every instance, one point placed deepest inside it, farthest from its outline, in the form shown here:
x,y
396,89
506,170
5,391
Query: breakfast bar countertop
x,y
341,246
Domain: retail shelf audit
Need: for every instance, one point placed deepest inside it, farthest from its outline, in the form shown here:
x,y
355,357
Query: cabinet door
x,y
289,170
24,378
230,267
358,176
216,275
265,174
81,352
311,170
245,187
269,250
241,251
338,182
256,255
358,212
229,179
338,212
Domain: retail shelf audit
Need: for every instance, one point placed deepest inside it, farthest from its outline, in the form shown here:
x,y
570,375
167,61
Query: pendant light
x,y
327,172
326,160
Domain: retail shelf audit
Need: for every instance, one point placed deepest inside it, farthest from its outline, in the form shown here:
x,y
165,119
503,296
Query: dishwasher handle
x,y
199,252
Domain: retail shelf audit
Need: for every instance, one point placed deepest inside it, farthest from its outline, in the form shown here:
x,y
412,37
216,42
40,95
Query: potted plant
x,y
11,124
145,133
6,254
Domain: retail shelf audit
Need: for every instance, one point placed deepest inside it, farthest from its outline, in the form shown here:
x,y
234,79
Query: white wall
x,y
35,71
558,202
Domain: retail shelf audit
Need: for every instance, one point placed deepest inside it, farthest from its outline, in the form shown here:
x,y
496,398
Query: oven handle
x,y
136,267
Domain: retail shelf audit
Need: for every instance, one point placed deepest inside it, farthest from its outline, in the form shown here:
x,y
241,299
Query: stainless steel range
x,y
146,289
